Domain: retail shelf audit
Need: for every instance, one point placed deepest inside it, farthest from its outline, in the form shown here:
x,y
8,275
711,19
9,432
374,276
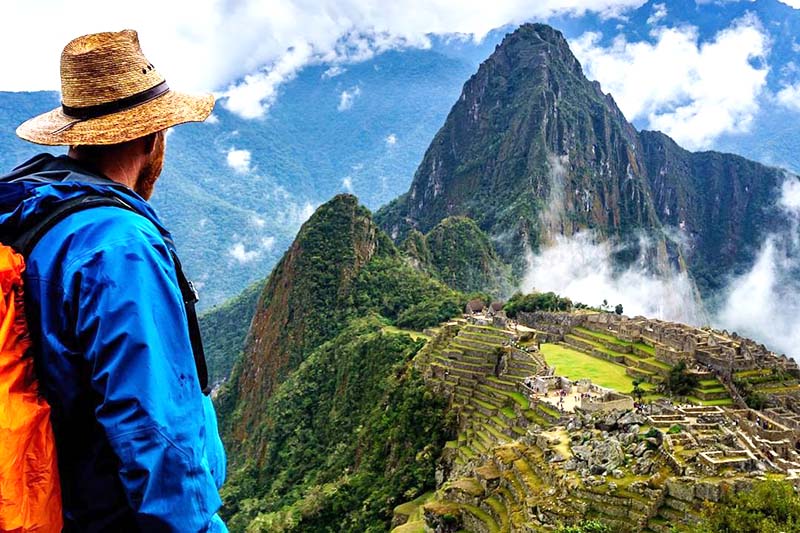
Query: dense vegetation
x,y
224,329
349,435
457,252
769,507
328,424
587,526
536,301
679,381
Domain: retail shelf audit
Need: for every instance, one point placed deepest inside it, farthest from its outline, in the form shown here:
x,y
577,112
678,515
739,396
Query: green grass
x,y
598,346
509,412
721,402
418,526
604,336
577,365
645,348
483,516
549,410
416,335
412,509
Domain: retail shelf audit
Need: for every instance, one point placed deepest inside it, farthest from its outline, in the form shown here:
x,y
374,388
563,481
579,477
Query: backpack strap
x,y
25,243
190,299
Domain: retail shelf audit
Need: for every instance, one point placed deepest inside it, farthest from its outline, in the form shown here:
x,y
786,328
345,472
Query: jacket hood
x,y
39,185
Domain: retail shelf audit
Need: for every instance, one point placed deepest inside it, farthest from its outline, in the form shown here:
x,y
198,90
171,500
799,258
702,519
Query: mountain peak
x,y
536,46
307,289
528,136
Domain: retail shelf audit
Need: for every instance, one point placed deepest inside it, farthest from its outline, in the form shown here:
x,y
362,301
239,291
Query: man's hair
x,y
100,151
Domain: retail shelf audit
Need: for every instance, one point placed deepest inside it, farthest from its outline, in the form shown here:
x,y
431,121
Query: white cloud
x,y
333,71
296,214
761,304
268,243
347,97
690,90
581,267
789,201
239,160
791,3
242,254
212,119
391,139
246,49
789,96
659,12
257,221
347,183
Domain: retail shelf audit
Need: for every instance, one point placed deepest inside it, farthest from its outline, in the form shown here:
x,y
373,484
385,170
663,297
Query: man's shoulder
x,y
108,222
96,230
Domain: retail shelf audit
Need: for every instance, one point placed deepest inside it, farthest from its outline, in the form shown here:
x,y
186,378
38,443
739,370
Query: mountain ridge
x,y
532,149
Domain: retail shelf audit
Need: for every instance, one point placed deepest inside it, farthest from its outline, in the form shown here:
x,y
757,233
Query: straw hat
x,y
110,94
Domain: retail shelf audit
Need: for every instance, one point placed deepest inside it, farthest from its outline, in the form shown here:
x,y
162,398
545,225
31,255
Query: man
x,y
138,447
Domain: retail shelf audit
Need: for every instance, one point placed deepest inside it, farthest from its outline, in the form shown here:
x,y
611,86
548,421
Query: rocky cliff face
x,y
721,205
533,149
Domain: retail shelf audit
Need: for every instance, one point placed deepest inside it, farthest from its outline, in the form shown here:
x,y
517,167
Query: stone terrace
x,y
522,465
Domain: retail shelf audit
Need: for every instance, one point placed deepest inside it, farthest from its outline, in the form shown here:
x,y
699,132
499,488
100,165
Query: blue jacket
x,y
138,446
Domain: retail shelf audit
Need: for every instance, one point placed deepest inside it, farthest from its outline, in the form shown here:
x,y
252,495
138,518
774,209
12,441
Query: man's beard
x,y
146,181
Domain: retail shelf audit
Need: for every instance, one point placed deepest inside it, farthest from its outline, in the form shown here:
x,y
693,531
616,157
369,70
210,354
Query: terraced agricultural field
x,y
578,365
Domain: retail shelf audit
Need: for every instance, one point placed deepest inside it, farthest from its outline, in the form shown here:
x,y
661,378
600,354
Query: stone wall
x,y
618,402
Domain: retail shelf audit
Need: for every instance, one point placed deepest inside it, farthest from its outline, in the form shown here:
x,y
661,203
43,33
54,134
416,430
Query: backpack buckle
x,y
193,291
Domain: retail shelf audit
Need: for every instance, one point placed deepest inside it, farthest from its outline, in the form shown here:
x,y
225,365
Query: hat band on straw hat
x,y
107,108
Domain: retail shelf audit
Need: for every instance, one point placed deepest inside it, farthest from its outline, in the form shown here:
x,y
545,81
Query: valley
x,y
382,379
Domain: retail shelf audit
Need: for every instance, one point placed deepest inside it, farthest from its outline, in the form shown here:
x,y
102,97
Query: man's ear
x,y
150,142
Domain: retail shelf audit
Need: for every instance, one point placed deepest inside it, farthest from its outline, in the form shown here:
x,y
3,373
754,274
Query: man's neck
x,y
116,171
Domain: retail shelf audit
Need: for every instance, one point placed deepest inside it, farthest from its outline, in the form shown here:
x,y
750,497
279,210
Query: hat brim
x,y
54,128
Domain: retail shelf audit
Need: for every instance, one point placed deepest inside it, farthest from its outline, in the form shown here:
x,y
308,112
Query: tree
x,y
769,506
637,391
618,309
680,382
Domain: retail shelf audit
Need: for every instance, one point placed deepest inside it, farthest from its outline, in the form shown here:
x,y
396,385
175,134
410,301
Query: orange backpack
x,y
30,494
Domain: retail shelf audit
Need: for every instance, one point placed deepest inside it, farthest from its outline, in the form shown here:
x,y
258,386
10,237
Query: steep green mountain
x,y
532,149
327,425
458,253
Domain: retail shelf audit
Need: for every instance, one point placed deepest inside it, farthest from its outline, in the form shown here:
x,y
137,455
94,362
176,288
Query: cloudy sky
x,y
691,88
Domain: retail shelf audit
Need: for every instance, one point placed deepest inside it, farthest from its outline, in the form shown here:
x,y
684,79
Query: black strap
x,y
25,243
107,108
190,298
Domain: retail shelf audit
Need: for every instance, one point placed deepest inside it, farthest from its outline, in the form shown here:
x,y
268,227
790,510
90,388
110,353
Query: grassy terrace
x,y
578,365
720,402
416,335
620,342
413,510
